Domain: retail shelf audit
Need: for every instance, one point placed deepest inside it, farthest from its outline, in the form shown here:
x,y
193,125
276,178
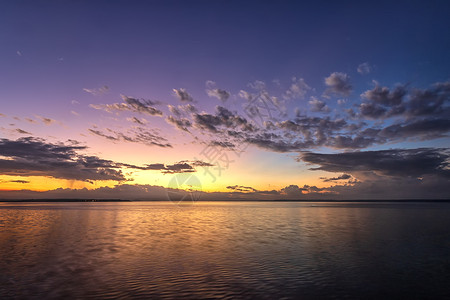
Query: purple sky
x,y
293,100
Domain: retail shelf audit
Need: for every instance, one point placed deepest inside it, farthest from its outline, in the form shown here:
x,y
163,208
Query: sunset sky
x,y
237,99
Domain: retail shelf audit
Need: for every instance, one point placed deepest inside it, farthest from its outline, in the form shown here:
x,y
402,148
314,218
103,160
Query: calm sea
x,y
239,250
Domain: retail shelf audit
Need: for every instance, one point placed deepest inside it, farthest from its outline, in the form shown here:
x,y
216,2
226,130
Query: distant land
x,y
228,200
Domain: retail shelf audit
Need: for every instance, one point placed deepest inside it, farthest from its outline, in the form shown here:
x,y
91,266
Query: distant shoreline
x,y
228,200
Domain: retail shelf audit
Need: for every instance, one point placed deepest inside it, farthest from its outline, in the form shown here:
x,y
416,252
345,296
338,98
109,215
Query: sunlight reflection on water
x,y
224,250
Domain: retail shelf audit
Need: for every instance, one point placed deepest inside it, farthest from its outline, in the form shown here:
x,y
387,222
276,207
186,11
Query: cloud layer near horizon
x,y
383,116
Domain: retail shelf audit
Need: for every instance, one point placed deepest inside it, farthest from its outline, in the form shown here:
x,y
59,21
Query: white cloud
x,y
364,68
98,91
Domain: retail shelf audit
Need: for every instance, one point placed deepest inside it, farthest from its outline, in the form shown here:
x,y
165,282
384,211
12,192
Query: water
x,y
237,250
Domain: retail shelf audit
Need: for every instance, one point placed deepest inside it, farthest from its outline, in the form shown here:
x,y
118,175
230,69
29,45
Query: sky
x,y
219,100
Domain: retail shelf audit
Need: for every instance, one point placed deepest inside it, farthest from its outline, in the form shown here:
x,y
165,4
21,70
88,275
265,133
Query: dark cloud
x,y
137,121
182,111
179,167
292,190
371,110
397,162
35,157
219,94
426,187
102,134
298,134
222,118
142,106
46,121
421,129
133,105
183,95
212,91
276,143
384,96
199,163
180,123
361,139
384,103
137,135
23,131
339,84
15,181
223,144
341,177
241,188
381,102
318,105
433,101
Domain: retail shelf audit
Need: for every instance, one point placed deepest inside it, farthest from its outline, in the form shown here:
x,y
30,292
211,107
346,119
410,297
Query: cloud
x,y
318,105
303,132
137,120
364,68
36,157
371,110
98,91
433,101
30,121
426,187
241,188
272,142
46,121
297,89
14,181
19,53
257,85
383,189
396,162
183,95
293,190
339,84
23,131
181,167
182,110
212,91
200,163
184,166
19,181
142,106
223,144
181,123
382,102
422,129
122,191
341,177
102,134
131,104
74,113
137,135
382,95
222,118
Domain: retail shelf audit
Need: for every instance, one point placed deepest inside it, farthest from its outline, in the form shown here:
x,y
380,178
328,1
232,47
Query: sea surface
x,y
231,250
